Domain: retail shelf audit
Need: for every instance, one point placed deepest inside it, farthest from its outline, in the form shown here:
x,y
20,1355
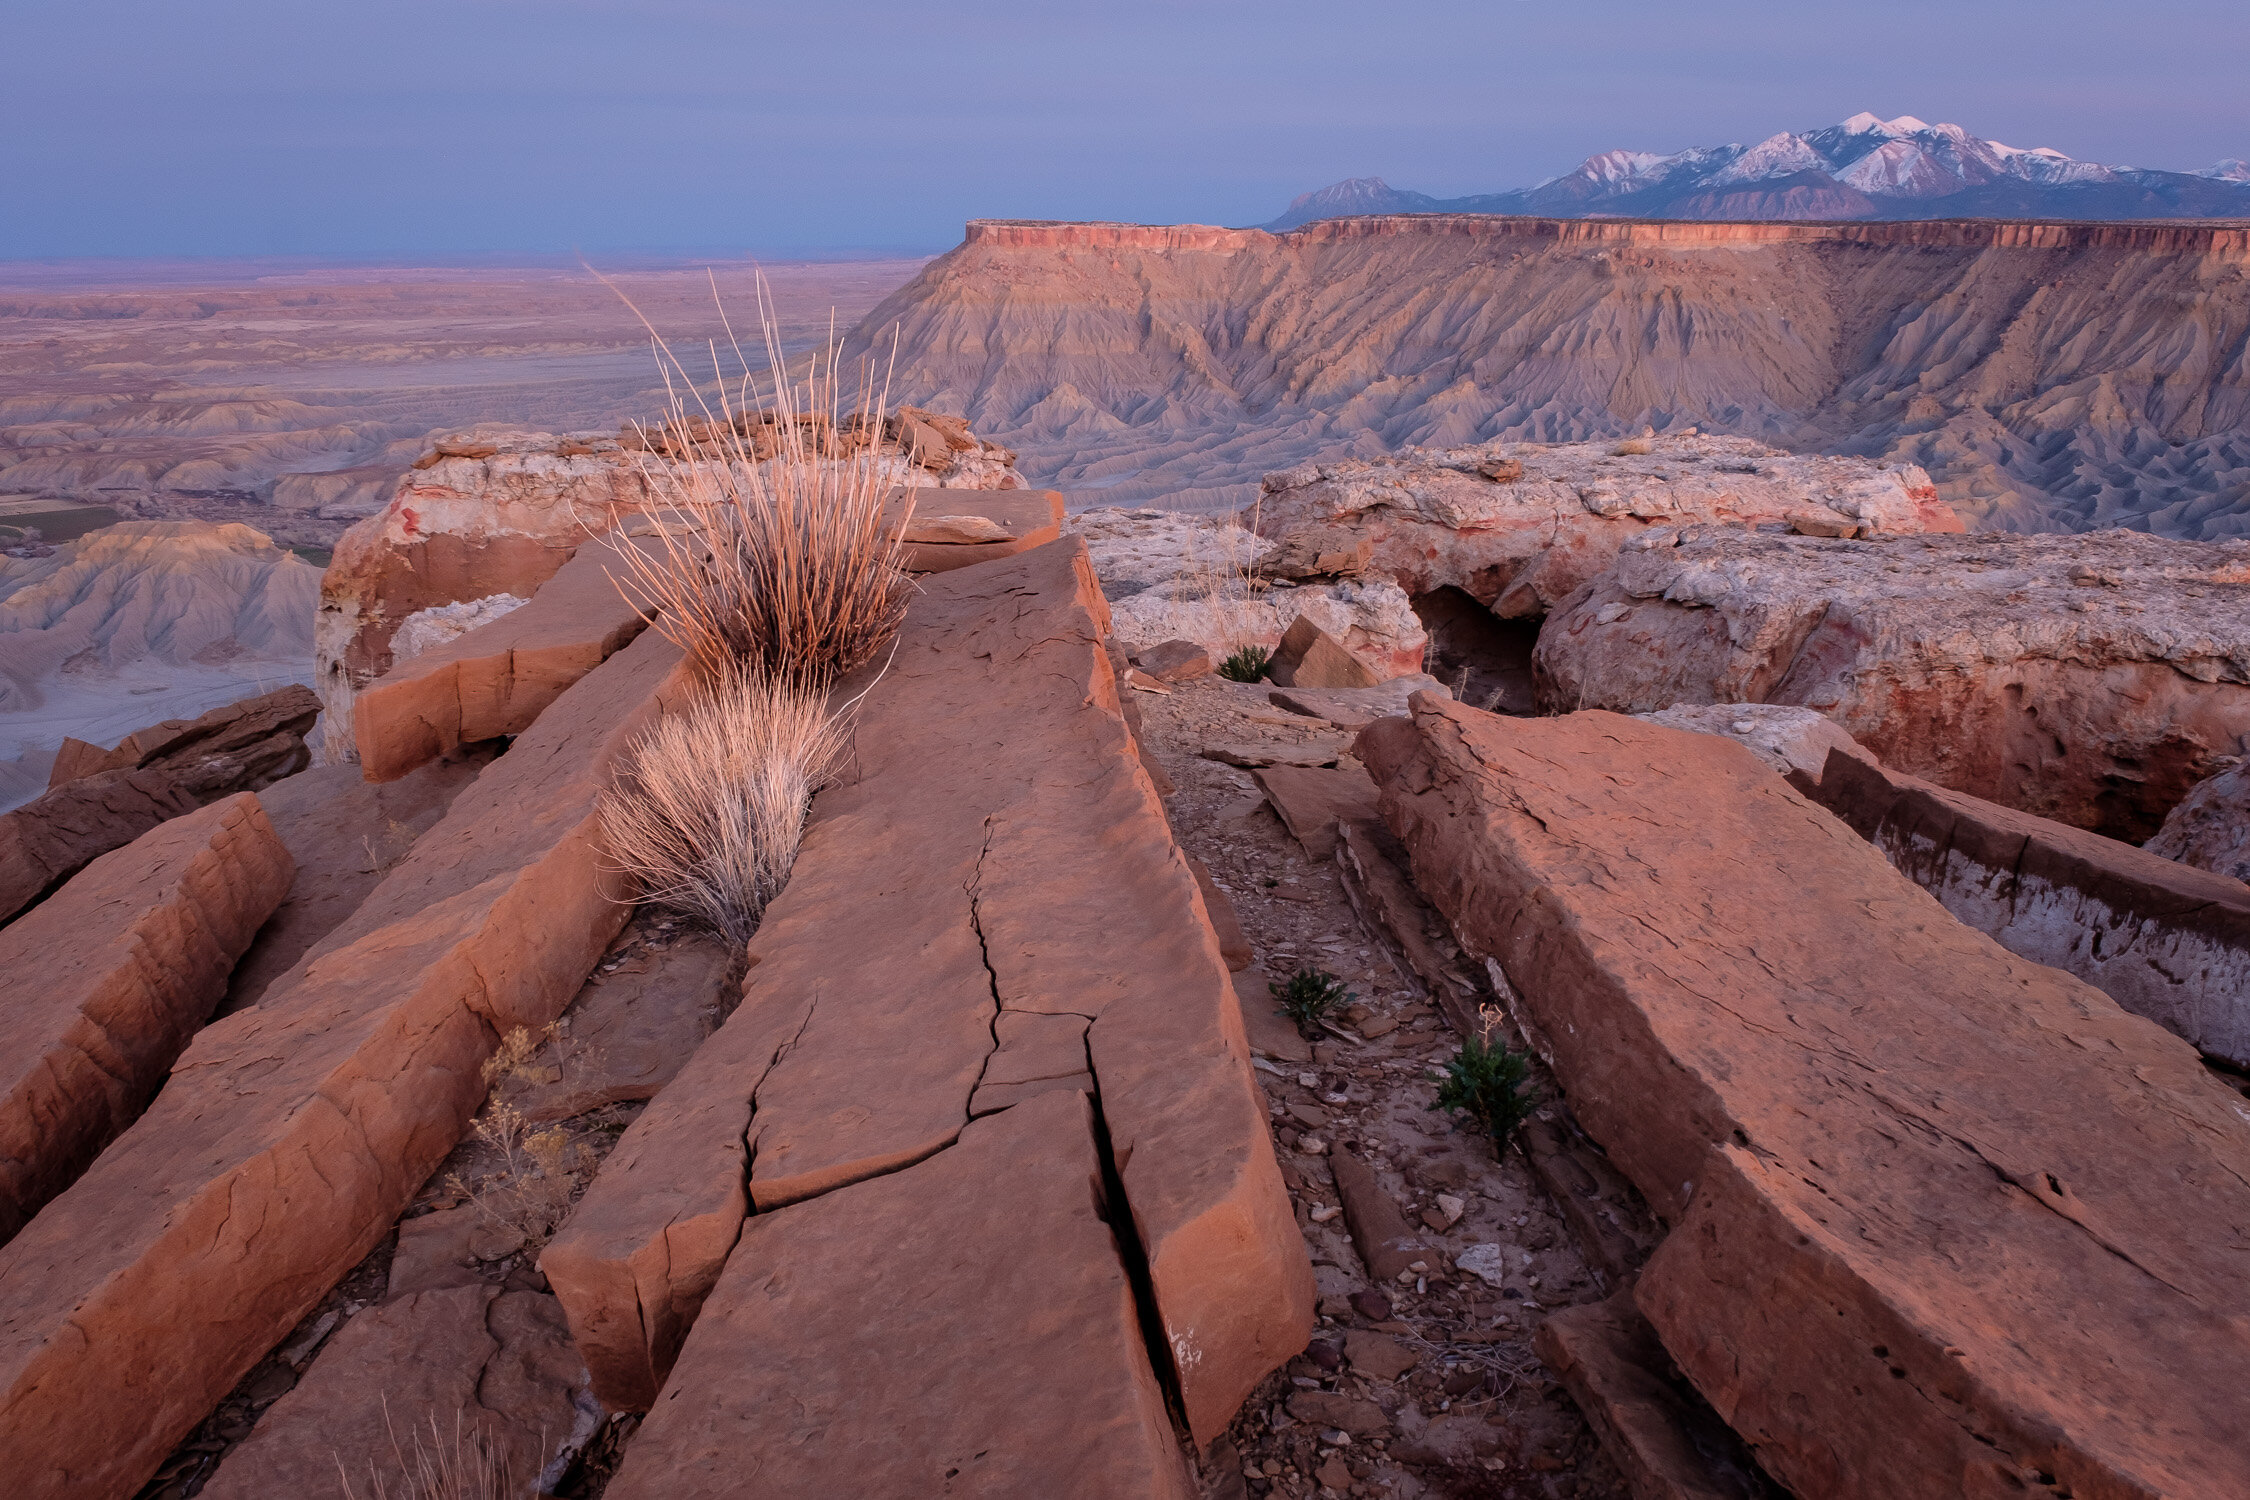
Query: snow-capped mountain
x,y
1860,168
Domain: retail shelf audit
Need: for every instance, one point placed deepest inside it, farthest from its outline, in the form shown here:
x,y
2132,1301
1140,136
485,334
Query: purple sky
x,y
437,127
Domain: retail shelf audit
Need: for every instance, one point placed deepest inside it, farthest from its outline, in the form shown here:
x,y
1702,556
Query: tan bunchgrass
x,y
710,808
469,1465
779,522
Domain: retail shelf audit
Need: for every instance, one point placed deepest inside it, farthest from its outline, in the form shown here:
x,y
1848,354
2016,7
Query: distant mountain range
x,y
1863,168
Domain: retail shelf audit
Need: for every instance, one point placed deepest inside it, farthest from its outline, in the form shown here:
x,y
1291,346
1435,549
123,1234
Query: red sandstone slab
x,y
964,1327
102,984
498,678
1947,1221
996,851
292,1134
1032,518
2162,939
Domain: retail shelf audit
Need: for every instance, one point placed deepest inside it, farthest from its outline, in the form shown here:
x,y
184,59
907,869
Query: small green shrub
x,y
1246,665
1486,1082
1308,997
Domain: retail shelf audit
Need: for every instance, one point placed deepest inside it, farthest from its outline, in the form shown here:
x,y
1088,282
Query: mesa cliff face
x,y
2050,376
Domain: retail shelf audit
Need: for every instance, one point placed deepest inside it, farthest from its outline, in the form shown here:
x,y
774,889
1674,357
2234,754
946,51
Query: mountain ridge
x,y
1859,168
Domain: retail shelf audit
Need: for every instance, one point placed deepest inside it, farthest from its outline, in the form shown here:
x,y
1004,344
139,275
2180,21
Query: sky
x,y
406,128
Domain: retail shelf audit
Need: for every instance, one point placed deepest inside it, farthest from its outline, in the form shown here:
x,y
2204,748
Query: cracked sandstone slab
x,y
996,854
1946,1221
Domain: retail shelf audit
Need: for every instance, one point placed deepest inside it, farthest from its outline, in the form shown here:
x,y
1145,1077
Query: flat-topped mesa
x,y
1519,526
988,906
1945,1221
492,512
2090,679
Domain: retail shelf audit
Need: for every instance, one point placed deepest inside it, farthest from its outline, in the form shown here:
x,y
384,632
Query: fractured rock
x,y
1310,657
1313,753
1176,661
630,1030
1234,947
497,679
105,982
1434,518
1386,1245
1312,802
2091,679
1007,1358
1271,1033
1356,708
2211,828
955,528
1928,1197
1794,741
993,848
292,1134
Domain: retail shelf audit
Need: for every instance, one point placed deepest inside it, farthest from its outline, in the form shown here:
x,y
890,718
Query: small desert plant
x,y
1246,664
777,547
1486,1080
467,1466
529,1188
1309,997
711,806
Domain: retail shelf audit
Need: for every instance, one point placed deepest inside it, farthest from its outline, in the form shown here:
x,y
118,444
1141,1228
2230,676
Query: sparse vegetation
x,y
466,1466
1487,1081
1309,997
529,1188
711,805
1246,664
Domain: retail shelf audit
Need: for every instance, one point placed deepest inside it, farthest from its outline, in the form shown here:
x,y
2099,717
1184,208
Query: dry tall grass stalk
x,y
468,1466
776,551
711,806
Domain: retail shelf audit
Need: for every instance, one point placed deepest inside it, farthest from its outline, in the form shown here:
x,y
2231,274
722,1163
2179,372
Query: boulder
x,y
1928,1198
456,1374
1387,1246
105,982
2091,679
2164,940
344,834
1794,741
1312,802
291,1135
1522,534
1309,657
1176,661
994,854
153,775
2211,828
1356,708
1007,1359
498,678
953,528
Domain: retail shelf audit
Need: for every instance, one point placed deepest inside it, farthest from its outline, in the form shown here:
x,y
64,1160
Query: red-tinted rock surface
x,y
2211,829
952,528
344,834
1309,657
155,774
1234,946
1379,1231
1435,518
498,678
103,984
2164,940
1946,1221
631,1030
962,1328
468,1364
2091,679
1311,802
291,1134
994,849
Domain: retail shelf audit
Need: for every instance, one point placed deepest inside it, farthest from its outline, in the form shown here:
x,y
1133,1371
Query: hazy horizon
x,y
244,128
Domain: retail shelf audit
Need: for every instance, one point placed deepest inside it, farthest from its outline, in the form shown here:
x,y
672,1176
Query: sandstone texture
x,y
988,906
291,1134
1521,526
1931,1202
952,528
1171,576
1006,1359
2089,679
497,678
1794,741
2164,940
105,982
1309,657
154,774
2211,828
424,1371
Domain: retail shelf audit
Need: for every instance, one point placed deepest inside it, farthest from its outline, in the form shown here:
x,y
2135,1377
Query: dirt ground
x,y
1466,1408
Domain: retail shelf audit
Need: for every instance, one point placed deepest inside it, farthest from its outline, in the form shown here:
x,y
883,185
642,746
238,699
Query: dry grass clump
x,y
778,549
711,805
466,1466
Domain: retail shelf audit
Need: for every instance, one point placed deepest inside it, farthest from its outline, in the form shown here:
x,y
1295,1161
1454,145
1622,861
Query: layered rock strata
x,y
104,983
1520,526
107,799
988,907
1928,1199
291,1134
2163,939
2089,679
1002,1252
